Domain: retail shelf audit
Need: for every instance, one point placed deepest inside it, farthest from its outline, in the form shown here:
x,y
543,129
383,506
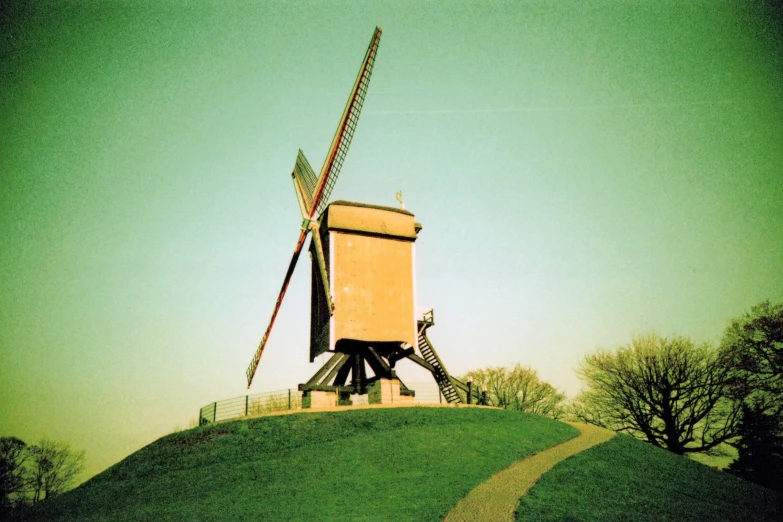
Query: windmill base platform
x,y
382,391
345,374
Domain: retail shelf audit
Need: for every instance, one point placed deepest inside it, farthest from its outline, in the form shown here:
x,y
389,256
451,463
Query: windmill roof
x,y
367,205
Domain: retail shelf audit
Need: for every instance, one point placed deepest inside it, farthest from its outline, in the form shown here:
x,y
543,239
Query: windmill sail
x,y
313,201
251,369
304,183
346,128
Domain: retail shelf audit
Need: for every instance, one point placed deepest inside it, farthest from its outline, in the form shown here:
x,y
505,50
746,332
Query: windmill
x,y
366,253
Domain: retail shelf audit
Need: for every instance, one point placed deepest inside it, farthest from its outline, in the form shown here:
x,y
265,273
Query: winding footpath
x,y
496,499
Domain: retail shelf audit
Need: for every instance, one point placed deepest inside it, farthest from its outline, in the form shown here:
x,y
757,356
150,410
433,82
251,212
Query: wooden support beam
x,y
342,374
358,373
459,384
327,388
337,367
400,354
405,391
325,368
421,362
377,363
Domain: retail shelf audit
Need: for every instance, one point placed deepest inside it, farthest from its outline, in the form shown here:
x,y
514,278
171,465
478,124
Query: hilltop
x,y
371,464
383,464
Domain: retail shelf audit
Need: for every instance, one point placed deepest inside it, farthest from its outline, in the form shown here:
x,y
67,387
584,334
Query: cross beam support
x,y
346,372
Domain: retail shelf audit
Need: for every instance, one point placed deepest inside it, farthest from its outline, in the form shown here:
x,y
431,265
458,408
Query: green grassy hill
x,y
626,479
373,464
393,464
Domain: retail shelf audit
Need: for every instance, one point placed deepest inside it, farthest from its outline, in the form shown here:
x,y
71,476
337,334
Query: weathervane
x,y
399,198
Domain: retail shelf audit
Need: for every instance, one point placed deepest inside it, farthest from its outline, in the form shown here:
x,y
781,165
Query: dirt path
x,y
496,499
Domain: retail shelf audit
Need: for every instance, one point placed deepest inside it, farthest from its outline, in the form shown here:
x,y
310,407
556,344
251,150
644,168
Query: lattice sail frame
x,y
313,201
305,183
344,134
315,197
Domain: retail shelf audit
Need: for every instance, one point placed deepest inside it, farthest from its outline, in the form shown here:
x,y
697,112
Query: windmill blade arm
x,y
345,129
321,261
314,194
251,369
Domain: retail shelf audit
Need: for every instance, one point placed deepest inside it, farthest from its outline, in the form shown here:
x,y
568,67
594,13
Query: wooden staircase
x,y
438,370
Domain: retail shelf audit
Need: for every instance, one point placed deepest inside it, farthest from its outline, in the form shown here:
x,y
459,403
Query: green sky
x,y
584,171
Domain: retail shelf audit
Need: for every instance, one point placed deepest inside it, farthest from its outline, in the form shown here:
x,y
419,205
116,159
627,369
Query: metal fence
x,y
291,399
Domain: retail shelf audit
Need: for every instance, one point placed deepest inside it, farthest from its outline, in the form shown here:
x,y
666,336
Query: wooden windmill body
x,y
369,255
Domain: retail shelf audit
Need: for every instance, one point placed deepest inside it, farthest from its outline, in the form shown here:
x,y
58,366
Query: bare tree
x,y
577,411
519,388
13,454
669,392
752,349
53,467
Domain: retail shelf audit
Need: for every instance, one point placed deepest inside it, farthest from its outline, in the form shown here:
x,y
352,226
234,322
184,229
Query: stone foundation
x,y
387,391
319,399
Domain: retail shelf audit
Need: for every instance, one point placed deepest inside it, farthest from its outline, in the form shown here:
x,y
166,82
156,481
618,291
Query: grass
x,y
384,464
626,479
